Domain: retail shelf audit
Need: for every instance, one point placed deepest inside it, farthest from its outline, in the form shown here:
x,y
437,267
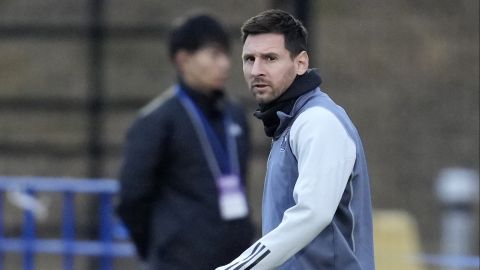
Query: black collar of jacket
x,y
284,103
211,104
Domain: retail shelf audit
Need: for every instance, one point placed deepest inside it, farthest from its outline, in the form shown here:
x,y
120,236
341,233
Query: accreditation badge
x,y
232,199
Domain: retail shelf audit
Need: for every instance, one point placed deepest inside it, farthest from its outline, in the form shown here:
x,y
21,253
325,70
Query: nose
x,y
257,68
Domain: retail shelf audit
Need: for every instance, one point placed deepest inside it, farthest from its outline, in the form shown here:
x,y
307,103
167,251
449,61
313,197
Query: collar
x,y
269,113
212,103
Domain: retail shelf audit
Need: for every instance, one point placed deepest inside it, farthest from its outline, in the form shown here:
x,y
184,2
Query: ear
x,y
301,62
181,59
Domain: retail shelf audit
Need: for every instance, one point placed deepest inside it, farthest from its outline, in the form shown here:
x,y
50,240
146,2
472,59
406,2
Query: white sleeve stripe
x,y
352,234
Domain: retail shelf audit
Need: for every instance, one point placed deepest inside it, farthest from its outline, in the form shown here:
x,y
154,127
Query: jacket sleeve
x,y
143,153
325,155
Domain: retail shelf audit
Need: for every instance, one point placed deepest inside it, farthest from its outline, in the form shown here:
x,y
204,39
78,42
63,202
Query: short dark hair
x,y
196,31
280,22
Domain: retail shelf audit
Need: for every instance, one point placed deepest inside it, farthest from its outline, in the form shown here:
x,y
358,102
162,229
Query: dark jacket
x,y
168,198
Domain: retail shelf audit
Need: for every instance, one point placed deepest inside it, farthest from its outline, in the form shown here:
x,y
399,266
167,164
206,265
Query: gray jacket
x,y
316,203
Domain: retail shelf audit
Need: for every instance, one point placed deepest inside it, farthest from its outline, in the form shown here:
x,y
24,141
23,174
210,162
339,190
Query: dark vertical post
x,y
95,100
298,8
301,10
95,103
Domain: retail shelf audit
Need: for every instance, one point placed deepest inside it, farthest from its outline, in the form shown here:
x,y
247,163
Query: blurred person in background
x,y
182,179
316,202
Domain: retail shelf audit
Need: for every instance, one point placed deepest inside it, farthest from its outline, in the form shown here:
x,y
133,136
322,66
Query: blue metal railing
x,y
66,245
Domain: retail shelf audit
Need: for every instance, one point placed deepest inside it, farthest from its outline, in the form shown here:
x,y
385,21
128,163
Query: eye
x,y
248,59
270,58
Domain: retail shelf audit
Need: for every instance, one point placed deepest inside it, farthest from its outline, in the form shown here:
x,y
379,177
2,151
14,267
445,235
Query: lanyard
x,y
221,160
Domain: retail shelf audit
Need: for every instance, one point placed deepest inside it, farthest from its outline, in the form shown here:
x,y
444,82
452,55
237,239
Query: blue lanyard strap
x,y
221,159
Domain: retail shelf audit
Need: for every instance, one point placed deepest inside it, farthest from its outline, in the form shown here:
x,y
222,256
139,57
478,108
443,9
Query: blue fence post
x,y
68,229
106,210
29,236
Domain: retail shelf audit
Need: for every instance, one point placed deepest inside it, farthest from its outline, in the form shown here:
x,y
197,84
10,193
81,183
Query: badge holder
x,y
232,199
